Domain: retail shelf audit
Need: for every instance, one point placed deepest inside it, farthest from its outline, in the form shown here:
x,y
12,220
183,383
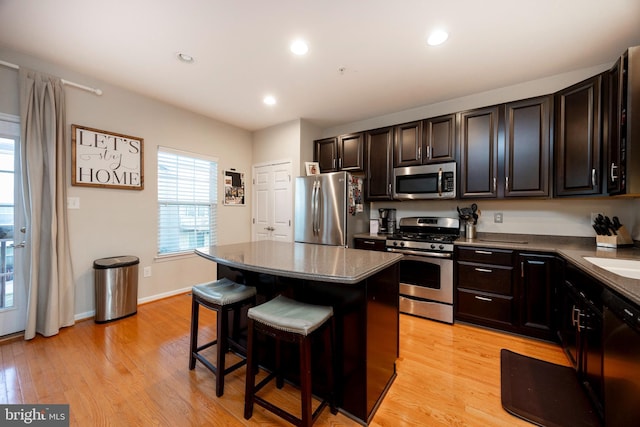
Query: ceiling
x,y
366,58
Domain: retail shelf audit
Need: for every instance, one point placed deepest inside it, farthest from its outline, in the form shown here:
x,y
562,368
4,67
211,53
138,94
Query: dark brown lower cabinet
x,y
579,312
507,290
538,276
371,244
484,287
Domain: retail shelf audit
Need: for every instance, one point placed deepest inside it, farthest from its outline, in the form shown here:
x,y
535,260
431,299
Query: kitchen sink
x,y
623,267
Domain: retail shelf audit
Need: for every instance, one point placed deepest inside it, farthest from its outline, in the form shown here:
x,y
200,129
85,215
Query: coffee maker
x,y
387,221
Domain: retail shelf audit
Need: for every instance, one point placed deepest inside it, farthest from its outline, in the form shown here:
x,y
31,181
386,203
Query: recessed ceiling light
x,y
299,47
437,37
269,100
185,58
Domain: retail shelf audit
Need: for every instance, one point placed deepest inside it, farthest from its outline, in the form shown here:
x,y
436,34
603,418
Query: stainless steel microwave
x,y
434,181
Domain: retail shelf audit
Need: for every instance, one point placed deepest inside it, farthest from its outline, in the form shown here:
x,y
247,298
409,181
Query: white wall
x,y
277,143
287,141
114,222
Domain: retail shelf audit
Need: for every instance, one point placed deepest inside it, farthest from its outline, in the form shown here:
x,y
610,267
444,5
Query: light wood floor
x,y
135,372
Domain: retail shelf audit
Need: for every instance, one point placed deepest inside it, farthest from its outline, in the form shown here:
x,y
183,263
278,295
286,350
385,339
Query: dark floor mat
x,y
543,393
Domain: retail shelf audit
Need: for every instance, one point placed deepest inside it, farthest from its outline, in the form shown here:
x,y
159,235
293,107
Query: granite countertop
x,y
302,260
572,249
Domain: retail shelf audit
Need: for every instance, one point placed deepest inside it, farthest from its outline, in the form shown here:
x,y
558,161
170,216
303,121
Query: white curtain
x,y
50,287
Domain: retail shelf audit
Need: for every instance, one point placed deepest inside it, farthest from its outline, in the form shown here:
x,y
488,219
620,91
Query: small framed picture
x,y
313,168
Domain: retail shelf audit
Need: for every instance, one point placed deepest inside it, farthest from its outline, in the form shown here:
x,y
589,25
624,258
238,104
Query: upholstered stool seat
x,y
292,321
223,296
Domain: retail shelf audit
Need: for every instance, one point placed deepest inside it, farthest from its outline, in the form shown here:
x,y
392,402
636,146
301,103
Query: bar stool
x,y
291,321
222,296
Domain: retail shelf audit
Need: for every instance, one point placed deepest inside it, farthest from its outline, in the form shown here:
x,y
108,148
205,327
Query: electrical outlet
x,y
73,202
497,217
147,272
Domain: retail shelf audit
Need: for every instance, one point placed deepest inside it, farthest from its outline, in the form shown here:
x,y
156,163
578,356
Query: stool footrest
x,y
286,415
264,382
234,367
207,345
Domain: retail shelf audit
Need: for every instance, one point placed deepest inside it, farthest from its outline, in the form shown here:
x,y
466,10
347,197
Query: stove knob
x,y
433,246
395,243
441,247
401,243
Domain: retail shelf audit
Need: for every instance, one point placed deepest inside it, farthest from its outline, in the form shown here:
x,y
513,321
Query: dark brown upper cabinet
x,y
326,154
425,141
379,164
479,153
505,150
577,139
440,139
345,152
621,110
408,144
527,148
351,152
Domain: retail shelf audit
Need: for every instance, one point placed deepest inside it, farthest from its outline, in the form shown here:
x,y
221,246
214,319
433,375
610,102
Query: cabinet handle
x,y
333,164
428,152
575,317
614,177
419,153
484,270
522,269
495,184
340,163
483,298
506,183
594,177
484,252
368,242
390,189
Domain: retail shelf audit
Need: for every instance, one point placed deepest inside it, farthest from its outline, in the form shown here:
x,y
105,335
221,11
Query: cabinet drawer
x,y
488,278
371,244
480,306
486,255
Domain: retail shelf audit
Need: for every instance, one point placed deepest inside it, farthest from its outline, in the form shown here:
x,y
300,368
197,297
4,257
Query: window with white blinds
x,y
187,197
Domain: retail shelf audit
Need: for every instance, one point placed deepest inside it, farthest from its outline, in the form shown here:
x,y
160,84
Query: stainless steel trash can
x,y
116,282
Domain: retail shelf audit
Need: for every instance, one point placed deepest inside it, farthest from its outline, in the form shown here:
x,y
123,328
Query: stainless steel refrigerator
x,y
329,209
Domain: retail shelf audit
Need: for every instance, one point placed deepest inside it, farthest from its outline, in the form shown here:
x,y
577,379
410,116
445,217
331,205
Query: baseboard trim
x,y
89,314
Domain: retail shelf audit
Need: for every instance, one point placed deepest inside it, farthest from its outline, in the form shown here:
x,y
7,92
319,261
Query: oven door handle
x,y
421,253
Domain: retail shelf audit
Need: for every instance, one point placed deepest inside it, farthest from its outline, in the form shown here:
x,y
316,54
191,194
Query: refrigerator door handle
x,y
314,207
317,208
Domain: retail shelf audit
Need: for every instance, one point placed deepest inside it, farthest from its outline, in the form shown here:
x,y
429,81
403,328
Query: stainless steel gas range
x,y
426,270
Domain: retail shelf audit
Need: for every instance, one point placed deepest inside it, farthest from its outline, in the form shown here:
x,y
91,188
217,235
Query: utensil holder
x,y
623,238
470,231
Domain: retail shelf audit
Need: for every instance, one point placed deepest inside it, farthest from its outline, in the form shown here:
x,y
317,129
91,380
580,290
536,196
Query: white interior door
x,y
12,287
273,202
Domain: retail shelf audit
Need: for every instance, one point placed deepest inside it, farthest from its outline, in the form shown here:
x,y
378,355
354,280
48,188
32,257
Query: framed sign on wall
x,y
106,159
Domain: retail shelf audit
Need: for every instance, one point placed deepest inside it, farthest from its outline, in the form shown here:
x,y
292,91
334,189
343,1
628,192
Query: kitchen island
x,y
361,286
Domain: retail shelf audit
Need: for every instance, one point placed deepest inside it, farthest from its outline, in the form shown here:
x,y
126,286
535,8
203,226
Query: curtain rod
x,y
64,82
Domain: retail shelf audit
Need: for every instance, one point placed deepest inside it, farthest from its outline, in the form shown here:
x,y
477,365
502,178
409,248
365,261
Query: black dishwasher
x,y
621,361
